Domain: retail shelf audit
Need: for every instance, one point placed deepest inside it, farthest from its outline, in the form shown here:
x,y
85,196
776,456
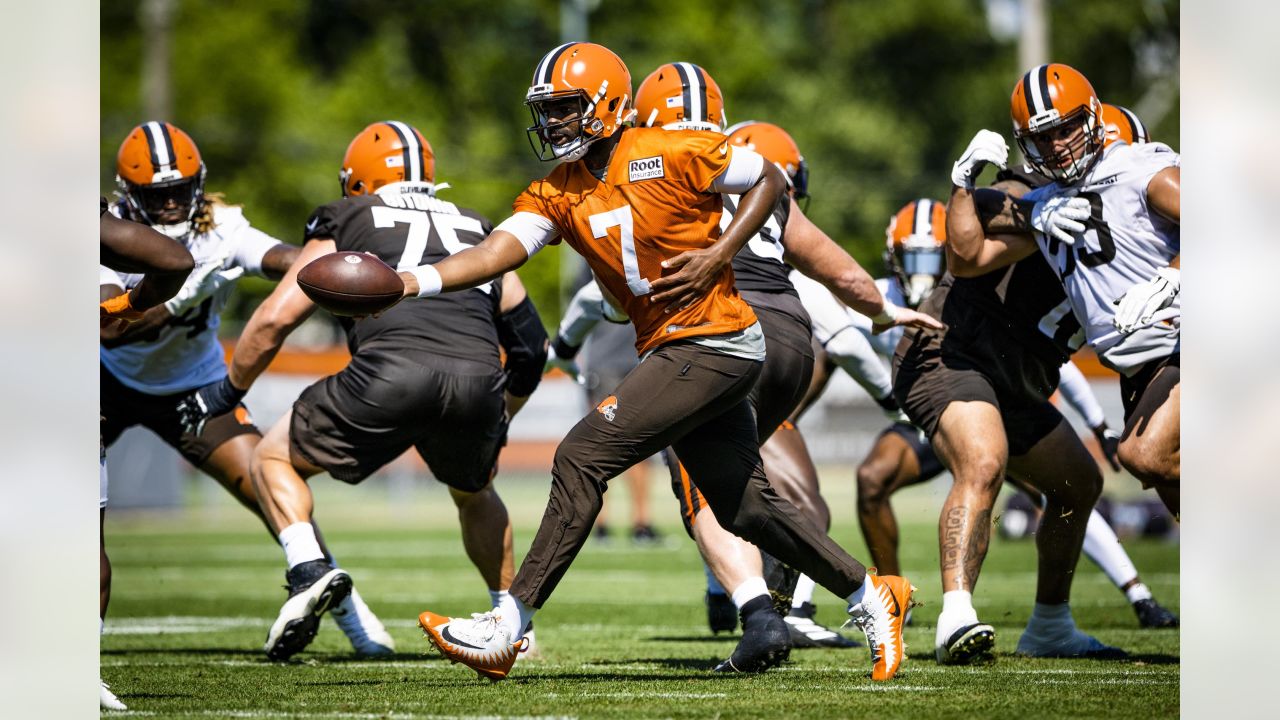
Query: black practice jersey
x,y
758,265
406,230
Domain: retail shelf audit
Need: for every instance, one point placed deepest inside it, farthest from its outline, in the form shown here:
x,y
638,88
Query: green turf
x,y
624,636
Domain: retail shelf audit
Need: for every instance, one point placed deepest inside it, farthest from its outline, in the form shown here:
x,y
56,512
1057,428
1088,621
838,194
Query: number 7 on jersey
x,y
621,219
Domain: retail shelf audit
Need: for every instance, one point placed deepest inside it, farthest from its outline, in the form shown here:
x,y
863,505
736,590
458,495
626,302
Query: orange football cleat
x,y
881,615
481,642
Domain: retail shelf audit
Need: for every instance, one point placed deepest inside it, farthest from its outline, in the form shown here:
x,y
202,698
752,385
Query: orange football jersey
x,y
654,203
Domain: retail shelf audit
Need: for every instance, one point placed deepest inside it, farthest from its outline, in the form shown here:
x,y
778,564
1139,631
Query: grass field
x,y
625,635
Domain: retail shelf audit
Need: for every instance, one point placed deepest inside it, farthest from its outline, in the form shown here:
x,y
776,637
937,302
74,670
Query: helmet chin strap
x,y
178,231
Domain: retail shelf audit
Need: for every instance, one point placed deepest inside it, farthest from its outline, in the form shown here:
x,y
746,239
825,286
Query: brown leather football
x,y
351,283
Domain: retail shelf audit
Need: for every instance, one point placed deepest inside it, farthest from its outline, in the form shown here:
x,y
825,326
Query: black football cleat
x,y
722,616
781,580
1152,614
314,589
970,644
765,641
806,633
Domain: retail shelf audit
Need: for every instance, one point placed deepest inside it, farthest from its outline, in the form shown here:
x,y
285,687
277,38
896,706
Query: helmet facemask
x,y
166,203
1083,134
543,107
919,263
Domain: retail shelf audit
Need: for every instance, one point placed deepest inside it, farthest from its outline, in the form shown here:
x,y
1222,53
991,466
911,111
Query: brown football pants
x,y
695,400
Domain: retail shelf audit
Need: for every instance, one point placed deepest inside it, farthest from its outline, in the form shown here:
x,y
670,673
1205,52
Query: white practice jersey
x,y
1124,244
187,355
846,335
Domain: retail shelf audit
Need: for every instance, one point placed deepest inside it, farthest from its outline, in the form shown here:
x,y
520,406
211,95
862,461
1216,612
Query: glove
x,y
567,365
216,398
1109,441
119,307
1061,217
204,281
985,147
1144,300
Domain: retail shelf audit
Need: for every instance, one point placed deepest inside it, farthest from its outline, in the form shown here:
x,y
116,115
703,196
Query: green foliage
x,y
880,96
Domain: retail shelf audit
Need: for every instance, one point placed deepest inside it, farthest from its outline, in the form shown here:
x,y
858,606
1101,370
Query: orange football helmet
x,y
1057,120
914,247
160,174
1122,124
680,96
383,153
592,78
776,145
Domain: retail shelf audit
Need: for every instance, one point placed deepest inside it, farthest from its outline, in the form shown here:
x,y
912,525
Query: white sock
x,y
1137,592
804,591
713,585
515,615
300,544
498,597
957,612
856,596
749,590
1103,547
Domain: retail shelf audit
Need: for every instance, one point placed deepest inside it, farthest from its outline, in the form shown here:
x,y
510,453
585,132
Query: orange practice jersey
x,y
654,203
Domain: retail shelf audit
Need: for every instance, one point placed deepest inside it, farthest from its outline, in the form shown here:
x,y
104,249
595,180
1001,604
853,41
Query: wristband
x,y
887,316
563,349
429,281
120,306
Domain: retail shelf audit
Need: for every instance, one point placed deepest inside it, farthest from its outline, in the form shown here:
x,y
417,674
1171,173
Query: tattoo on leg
x,y
978,541
953,541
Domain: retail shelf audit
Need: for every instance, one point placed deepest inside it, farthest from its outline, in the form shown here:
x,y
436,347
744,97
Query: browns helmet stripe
x,y
694,84
923,224
1035,86
411,151
542,75
160,144
1136,128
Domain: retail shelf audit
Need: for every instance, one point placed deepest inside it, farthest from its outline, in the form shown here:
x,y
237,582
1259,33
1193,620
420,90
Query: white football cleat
x,y
108,699
481,643
368,636
880,615
314,589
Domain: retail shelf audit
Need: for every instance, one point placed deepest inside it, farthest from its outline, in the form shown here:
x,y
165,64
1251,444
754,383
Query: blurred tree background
x,y
881,95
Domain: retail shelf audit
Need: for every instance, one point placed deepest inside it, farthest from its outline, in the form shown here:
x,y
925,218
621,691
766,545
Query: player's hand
x,y
1061,217
1109,441
205,280
117,309
1144,300
216,398
985,147
566,365
696,274
894,316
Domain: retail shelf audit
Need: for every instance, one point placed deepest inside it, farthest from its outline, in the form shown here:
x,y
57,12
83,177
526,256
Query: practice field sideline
x,y
625,635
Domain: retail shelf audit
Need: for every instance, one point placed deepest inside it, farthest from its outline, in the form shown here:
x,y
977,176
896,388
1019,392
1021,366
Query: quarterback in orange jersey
x,y
643,205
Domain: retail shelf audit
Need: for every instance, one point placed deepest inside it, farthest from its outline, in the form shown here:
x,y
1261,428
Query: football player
x,y
1108,225
165,264
642,205
901,455
423,375
149,366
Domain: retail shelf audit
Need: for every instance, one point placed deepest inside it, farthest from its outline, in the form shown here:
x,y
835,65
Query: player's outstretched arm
x,y
812,252
697,270
278,315
498,253
133,247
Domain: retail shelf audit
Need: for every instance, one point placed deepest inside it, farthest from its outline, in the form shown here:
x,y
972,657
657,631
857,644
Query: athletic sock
x,y
515,615
750,589
1136,592
957,612
760,603
300,544
498,597
803,592
1103,547
856,596
713,585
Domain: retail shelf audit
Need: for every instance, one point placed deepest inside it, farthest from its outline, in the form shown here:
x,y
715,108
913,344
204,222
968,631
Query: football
x,y
351,283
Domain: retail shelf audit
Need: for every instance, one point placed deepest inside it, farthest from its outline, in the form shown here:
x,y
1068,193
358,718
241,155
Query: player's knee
x,y
873,483
983,471
1142,457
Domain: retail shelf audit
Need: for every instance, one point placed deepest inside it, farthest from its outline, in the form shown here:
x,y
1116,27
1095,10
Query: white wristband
x,y
887,316
429,282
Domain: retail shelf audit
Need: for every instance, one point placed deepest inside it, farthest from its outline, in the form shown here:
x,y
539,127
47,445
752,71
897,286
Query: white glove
x,y
204,281
568,367
1060,217
985,147
1144,300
